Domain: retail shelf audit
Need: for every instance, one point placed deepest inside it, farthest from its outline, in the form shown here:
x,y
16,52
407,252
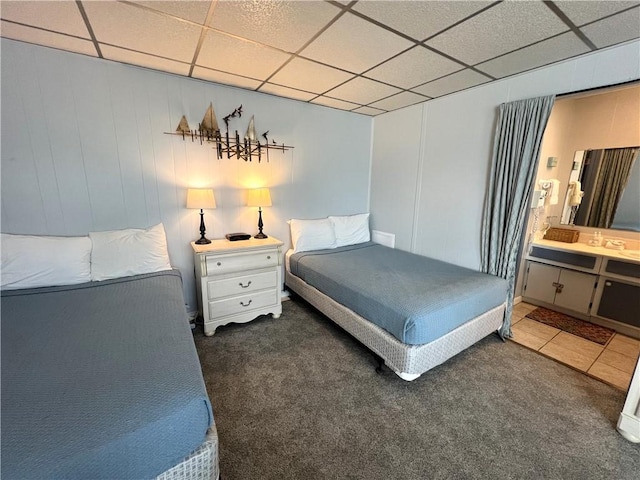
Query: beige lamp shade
x,y
259,197
200,198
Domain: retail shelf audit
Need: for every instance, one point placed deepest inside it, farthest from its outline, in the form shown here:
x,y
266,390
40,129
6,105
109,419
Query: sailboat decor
x,y
247,148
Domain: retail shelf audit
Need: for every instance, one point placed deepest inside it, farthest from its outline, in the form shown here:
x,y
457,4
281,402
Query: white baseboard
x,y
517,300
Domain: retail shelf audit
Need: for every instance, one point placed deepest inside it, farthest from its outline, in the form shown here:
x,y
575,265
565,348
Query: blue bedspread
x,y
100,380
414,298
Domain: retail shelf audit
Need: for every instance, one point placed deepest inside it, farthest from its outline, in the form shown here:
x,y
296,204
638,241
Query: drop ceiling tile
x,y
121,25
498,30
553,50
619,28
194,11
414,67
287,25
334,103
310,76
581,12
452,83
399,101
232,55
63,17
354,44
419,20
225,78
144,60
368,111
287,92
363,91
48,39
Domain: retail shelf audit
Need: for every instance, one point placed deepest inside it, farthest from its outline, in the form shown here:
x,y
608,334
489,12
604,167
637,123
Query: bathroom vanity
x,y
597,284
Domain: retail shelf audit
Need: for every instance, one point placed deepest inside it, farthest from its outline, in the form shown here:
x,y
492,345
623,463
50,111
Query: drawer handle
x,y
268,257
218,263
245,286
245,304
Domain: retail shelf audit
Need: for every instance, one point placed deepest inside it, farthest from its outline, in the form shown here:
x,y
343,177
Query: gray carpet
x,y
297,398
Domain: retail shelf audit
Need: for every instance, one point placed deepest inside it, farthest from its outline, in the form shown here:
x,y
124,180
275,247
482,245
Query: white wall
x,y
451,153
83,149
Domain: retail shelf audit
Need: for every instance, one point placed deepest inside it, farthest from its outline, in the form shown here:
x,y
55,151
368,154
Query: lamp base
x,y
260,235
203,241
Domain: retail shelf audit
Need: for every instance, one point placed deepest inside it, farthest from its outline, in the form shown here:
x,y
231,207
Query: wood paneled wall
x,y
84,149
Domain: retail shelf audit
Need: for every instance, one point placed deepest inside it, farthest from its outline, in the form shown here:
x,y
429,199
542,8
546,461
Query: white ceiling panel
x,y
225,78
355,45
144,60
53,40
558,48
239,57
343,54
334,103
363,91
368,111
121,25
619,28
398,101
581,12
194,11
283,24
63,17
414,67
419,19
452,83
310,76
287,92
498,30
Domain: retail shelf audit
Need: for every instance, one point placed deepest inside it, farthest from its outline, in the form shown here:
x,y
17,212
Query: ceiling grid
x,y
366,56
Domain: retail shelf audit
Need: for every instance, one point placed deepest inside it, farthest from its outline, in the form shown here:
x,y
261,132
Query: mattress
x,y
100,380
416,299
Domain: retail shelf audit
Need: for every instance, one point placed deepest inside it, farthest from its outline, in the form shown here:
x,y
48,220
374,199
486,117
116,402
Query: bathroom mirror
x,y
610,182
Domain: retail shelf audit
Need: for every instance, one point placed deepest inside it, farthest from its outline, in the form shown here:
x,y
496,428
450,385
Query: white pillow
x,y
30,261
351,229
122,253
309,235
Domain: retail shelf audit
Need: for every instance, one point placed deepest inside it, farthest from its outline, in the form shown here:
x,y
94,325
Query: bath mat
x,y
575,326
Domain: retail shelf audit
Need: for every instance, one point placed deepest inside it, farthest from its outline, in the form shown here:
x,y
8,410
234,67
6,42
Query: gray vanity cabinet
x,y
592,286
561,287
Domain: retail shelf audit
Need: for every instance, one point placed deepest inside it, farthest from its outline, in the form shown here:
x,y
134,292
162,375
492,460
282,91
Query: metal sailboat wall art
x,y
183,126
209,124
251,131
231,146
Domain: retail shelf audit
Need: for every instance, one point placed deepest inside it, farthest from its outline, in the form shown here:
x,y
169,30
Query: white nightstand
x,y
238,281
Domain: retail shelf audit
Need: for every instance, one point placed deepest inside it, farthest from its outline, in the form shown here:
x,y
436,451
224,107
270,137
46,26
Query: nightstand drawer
x,y
241,284
241,261
241,304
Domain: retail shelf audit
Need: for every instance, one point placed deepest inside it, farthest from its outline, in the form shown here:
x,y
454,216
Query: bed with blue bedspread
x,y
413,311
102,380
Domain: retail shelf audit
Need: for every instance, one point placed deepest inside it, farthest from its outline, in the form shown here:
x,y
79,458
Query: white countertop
x,y
579,247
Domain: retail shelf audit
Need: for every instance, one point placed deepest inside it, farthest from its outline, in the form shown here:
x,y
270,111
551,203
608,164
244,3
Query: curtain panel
x,y
516,149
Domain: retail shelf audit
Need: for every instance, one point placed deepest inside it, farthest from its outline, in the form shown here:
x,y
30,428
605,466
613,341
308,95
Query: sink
x,y
631,253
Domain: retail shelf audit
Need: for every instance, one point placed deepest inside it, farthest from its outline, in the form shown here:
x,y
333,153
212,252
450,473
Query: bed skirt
x,y
407,361
201,464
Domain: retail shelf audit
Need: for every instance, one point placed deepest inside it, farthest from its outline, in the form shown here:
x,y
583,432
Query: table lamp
x,y
201,198
259,197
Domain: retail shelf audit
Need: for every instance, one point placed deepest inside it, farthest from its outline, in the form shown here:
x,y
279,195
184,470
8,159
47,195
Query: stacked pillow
x,y
330,232
30,261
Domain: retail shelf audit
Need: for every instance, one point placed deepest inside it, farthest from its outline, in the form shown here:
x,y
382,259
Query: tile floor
x,y
612,363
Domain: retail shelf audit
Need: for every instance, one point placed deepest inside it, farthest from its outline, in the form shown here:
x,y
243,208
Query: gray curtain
x,y
613,176
516,148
